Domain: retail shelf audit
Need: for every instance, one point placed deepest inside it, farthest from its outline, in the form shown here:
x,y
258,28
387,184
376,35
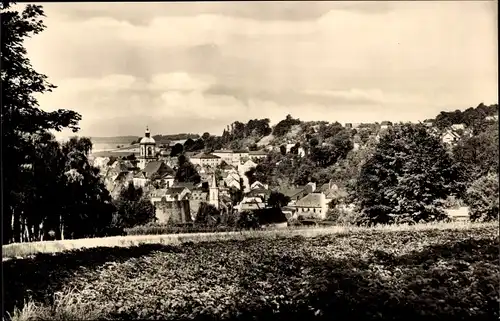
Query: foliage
x,y
482,198
21,115
366,275
408,173
284,126
278,200
478,154
133,208
186,172
207,215
177,149
248,220
471,117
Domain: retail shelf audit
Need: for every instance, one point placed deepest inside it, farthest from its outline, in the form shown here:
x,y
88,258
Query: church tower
x,y
213,195
147,149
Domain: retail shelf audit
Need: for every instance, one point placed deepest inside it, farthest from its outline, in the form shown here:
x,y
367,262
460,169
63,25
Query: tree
x,y
482,198
278,200
283,150
186,171
133,208
478,154
250,174
205,136
177,149
207,215
21,115
313,142
188,145
409,173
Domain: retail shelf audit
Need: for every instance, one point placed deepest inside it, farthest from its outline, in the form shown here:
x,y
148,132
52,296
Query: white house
x,y
246,166
450,137
458,127
258,154
258,184
205,159
492,118
312,205
226,155
251,203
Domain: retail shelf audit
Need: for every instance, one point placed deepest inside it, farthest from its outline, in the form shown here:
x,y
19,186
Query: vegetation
x,y
186,171
133,208
409,173
432,273
482,198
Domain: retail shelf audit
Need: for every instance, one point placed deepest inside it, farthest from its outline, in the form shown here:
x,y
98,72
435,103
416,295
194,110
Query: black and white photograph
x,y
250,160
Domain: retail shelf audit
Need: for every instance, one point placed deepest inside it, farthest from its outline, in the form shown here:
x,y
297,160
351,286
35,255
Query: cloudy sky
x,y
195,67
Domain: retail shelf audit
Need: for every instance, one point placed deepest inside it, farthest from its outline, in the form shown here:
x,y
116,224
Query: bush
x,y
482,198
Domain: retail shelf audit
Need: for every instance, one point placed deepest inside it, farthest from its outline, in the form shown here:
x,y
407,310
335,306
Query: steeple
x,y
147,133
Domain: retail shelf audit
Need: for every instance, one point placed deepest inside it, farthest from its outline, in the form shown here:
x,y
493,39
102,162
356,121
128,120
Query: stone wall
x,y
173,211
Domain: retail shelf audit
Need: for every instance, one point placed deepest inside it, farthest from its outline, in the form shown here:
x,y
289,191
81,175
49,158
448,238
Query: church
x,y
147,150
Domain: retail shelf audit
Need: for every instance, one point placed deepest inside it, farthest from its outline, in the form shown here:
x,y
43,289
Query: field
x,y
407,272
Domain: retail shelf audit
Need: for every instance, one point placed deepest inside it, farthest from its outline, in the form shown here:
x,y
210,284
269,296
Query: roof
x,y
241,151
290,192
258,191
205,156
310,200
220,151
154,167
175,190
258,152
187,185
386,122
147,140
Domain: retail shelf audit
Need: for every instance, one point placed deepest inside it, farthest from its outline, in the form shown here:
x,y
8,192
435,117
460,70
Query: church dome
x,y
147,139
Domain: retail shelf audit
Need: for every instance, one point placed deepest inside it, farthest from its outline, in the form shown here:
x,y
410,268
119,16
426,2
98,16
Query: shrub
x,y
482,198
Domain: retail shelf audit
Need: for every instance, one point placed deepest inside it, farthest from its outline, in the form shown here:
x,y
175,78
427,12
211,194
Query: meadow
x,y
388,272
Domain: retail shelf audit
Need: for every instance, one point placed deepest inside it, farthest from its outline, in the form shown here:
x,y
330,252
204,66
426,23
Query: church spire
x,y
147,133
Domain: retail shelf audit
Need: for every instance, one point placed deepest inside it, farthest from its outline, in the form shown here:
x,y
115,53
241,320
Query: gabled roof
x,y
258,191
310,200
290,192
175,190
220,151
139,175
187,185
205,156
155,166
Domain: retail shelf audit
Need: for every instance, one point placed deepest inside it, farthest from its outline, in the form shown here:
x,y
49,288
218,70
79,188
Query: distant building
x,y
147,150
385,124
450,137
204,159
456,127
492,118
312,205
258,154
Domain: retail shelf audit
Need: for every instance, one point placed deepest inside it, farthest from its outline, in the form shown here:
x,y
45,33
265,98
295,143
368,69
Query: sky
x,y
199,66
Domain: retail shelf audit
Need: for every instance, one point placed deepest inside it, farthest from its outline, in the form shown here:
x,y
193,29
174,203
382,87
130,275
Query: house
x,y
157,195
385,124
190,186
460,214
226,155
257,154
259,192
492,118
157,168
246,166
204,159
177,194
456,127
239,156
294,193
140,179
230,181
289,211
258,184
251,204
428,122
312,205
450,137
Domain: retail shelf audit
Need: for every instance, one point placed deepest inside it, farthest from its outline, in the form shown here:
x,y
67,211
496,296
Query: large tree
x,y
21,115
133,208
409,173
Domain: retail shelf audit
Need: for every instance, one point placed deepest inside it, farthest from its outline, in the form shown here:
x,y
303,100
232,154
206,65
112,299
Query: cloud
x,y
225,61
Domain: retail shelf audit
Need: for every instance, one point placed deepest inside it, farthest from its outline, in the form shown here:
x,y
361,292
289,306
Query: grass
x,y
22,250
387,272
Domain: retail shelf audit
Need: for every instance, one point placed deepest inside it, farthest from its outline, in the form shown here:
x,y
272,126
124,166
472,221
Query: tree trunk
x,y
17,226
7,225
61,224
